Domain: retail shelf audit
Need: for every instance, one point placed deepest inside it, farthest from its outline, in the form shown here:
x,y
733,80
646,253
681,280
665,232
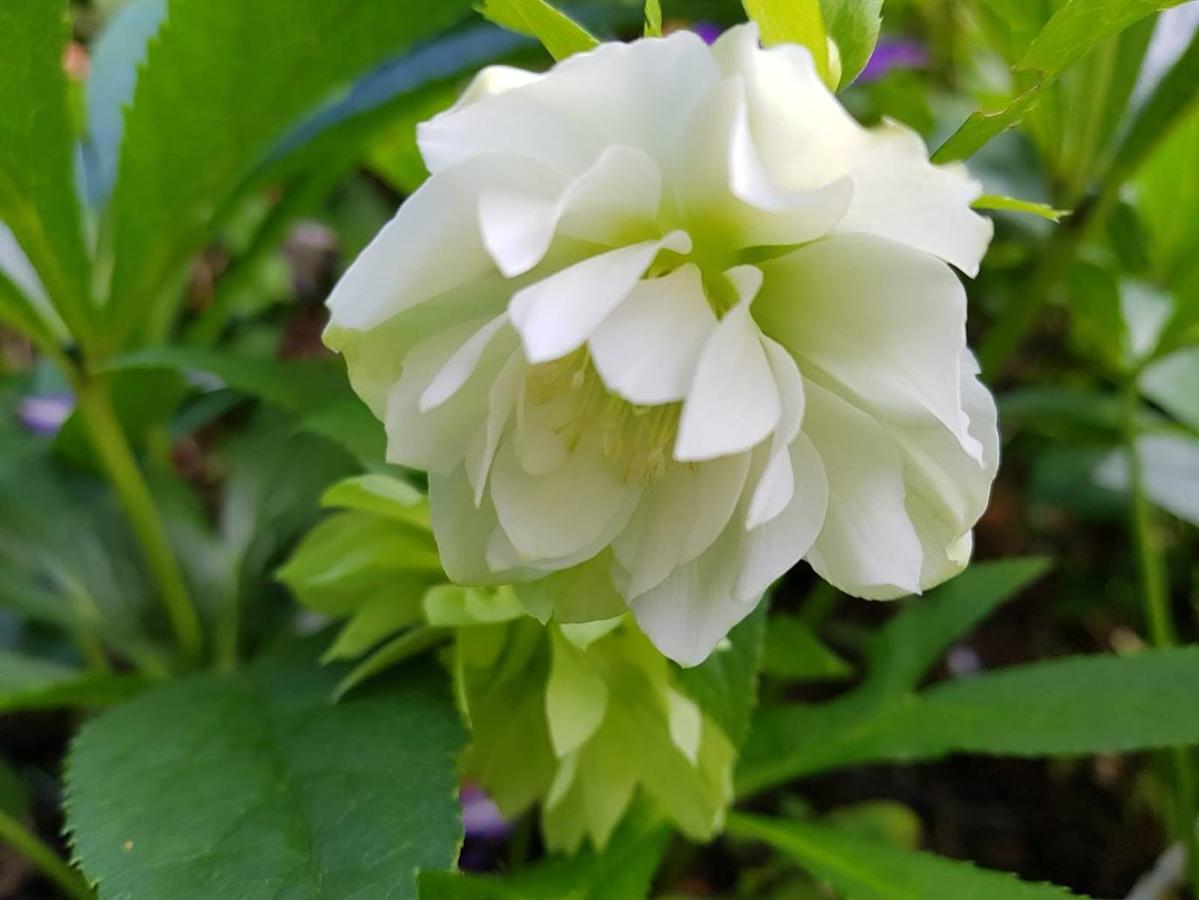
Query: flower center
x,y
637,439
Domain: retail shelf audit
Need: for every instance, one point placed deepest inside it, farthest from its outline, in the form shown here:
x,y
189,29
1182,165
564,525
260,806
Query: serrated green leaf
x,y
793,651
1072,32
624,871
112,77
795,22
561,35
38,201
1068,707
853,26
255,68
298,386
725,685
285,793
863,869
1011,204
913,640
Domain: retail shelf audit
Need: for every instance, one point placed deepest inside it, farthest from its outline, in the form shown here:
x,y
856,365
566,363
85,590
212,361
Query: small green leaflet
x,y
653,18
863,869
561,35
792,21
253,784
1072,32
853,26
1011,204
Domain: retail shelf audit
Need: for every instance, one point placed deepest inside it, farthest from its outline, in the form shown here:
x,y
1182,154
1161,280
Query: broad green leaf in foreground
x,y
624,871
252,784
1067,707
37,170
863,869
1073,31
254,68
561,35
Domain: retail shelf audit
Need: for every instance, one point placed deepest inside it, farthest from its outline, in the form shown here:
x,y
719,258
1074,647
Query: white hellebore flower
x,y
669,309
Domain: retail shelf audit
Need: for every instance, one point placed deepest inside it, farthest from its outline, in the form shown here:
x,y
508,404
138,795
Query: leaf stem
x,y
1154,589
14,833
116,456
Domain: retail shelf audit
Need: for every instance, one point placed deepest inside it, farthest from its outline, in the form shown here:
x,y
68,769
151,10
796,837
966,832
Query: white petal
x,y
733,402
551,516
648,348
805,138
556,315
771,549
435,440
900,195
868,546
636,94
463,529
461,365
725,184
501,399
693,609
776,483
885,322
948,490
689,612
432,245
540,442
679,517
614,201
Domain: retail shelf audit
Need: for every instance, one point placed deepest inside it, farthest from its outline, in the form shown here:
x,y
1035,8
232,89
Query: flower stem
x,y
116,456
16,835
1151,572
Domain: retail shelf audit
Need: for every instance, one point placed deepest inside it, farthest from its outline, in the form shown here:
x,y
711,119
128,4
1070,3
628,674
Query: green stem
x,y
1154,588
116,456
14,833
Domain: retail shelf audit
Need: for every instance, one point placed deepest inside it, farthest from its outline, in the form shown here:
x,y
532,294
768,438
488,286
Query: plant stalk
x,y
95,406
15,834
1154,589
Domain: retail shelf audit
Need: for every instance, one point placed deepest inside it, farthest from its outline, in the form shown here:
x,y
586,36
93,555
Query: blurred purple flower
x,y
484,825
707,30
44,415
894,53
